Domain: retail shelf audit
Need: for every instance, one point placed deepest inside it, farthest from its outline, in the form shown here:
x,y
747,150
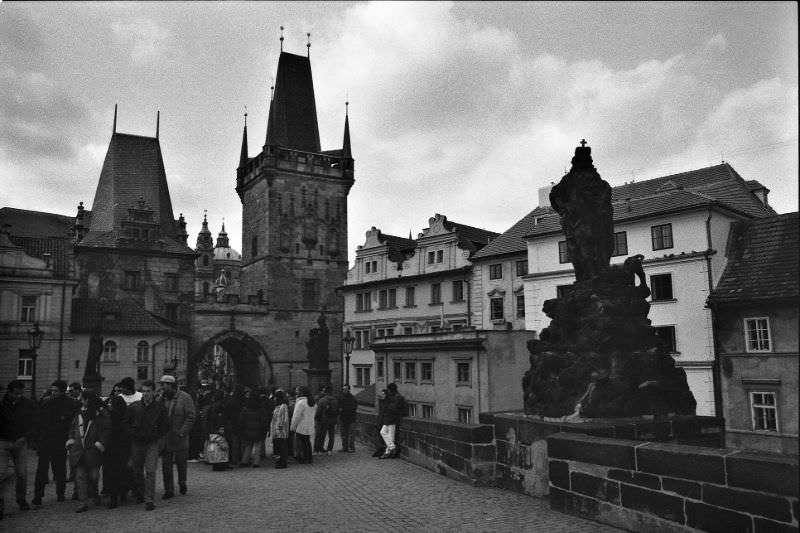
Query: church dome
x,y
226,254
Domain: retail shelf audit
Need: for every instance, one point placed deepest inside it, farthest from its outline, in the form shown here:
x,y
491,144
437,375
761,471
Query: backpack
x,y
331,407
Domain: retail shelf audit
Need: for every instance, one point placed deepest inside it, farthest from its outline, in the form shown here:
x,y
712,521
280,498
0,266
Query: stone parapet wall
x,y
646,486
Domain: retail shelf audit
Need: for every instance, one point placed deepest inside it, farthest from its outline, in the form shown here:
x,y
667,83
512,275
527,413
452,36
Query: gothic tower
x,y
294,204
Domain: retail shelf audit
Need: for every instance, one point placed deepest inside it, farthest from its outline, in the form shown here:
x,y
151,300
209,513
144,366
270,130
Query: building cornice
x,y
405,279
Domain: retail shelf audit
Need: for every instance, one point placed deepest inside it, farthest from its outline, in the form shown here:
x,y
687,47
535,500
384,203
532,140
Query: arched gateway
x,y
250,365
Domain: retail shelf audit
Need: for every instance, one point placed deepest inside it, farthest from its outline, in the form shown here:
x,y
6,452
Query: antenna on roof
x,y
115,120
308,45
158,121
346,108
281,38
271,89
245,116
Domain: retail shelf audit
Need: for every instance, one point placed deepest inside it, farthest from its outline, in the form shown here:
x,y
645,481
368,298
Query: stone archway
x,y
251,364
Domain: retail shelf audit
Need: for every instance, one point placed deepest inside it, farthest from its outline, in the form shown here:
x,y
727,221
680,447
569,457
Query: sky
x,y
465,109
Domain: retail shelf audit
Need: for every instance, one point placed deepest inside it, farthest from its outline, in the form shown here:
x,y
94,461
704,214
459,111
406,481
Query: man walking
x,y
181,414
146,422
327,416
17,424
347,417
395,411
55,419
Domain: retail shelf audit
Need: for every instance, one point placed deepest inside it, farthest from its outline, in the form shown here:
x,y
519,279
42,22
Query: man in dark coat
x,y
17,427
326,417
146,423
347,417
54,422
116,478
395,410
181,413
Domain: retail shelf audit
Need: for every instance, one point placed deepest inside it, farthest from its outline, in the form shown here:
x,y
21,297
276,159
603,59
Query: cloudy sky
x,y
464,109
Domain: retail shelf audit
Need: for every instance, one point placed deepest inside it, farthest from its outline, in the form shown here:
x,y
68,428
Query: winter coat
x,y
279,427
303,417
116,408
146,424
327,410
347,408
181,414
88,439
55,420
395,409
17,420
254,423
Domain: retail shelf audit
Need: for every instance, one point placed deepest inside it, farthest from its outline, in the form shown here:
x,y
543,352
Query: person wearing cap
x,y
181,414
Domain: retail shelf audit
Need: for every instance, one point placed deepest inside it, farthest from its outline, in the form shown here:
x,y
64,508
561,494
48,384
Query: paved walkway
x,y
341,493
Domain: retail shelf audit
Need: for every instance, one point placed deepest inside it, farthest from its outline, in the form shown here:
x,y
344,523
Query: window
x,y
436,293
662,236
363,301
132,280
764,410
392,298
370,266
379,369
458,291
410,296
563,253
28,309
363,376
25,364
171,282
465,415
563,290
463,374
756,331
142,372
171,312
411,371
520,306
439,256
426,373
496,271
142,352
620,244
522,267
435,257
397,370
362,339
384,332
408,330
110,351
297,248
431,257
382,299
387,299
667,336
412,409
496,306
205,260
310,293
427,411
661,287
254,247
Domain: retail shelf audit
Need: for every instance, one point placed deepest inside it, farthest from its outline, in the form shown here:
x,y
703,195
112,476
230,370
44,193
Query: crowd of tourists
x,y
110,448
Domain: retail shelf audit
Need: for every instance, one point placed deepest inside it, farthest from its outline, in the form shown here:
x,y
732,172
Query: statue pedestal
x,y
93,382
317,377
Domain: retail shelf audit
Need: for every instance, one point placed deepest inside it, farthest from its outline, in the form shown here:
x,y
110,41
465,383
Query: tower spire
x,y
158,122
346,153
281,38
115,120
243,156
308,45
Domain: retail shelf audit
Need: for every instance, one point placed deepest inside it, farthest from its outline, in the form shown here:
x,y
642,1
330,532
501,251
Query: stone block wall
x,y
465,452
646,486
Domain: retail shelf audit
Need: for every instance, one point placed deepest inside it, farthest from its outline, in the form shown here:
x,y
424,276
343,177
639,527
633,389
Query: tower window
x,y
254,247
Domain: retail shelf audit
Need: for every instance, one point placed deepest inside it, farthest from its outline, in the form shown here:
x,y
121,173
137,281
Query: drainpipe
x,y
715,368
61,330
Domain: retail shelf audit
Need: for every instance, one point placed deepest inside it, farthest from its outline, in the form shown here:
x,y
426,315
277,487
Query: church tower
x,y
294,205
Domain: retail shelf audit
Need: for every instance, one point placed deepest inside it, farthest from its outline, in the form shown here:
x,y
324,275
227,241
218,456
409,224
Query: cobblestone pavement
x,y
350,492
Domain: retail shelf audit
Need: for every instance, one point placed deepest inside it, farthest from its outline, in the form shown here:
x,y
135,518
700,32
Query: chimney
x,y
544,196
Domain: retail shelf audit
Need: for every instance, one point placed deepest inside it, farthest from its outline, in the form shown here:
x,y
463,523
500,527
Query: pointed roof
x,y
222,238
346,153
133,177
204,240
293,110
243,157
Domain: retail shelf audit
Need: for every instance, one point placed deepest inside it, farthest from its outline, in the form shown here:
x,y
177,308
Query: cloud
x,y
717,42
147,40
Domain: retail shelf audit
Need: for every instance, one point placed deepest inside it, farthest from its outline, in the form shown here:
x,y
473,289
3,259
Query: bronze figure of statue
x,y
317,345
95,352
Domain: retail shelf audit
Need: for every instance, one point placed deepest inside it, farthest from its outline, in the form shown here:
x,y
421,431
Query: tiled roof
x,y
38,233
293,110
132,177
398,247
717,185
128,317
763,261
470,237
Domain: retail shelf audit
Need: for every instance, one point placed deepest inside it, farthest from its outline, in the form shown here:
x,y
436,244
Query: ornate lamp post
x,y
34,341
347,345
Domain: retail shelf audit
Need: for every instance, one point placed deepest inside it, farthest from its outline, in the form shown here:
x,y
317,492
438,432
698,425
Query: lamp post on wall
x,y
34,341
347,345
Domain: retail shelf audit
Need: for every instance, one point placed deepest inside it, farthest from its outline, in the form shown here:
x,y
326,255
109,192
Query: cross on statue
x,y
583,142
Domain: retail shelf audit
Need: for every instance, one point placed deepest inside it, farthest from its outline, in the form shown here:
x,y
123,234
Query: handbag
x,y
217,449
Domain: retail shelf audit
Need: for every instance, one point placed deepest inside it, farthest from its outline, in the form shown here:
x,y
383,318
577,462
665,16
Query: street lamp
x,y
347,344
34,341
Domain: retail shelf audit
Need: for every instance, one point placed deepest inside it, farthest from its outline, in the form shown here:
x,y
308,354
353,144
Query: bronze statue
x,y
95,352
317,345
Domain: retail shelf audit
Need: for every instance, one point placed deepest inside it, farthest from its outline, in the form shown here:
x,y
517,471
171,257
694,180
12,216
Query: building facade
x,y
755,307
